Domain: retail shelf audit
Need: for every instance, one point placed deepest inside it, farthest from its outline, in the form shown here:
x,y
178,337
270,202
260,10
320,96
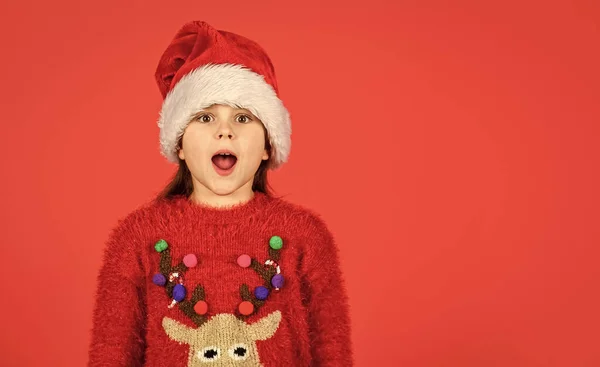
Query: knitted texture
x,y
287,308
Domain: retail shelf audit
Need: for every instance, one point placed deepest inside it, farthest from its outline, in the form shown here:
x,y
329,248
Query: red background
x,y
452,146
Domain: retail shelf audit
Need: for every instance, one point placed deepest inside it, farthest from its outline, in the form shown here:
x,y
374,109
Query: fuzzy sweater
x,y
258,284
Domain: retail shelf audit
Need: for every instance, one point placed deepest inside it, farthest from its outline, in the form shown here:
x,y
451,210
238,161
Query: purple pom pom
x,y
277,281
179,293
261,293
159,279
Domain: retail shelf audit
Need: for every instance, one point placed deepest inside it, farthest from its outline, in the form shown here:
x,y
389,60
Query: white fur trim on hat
x,y
226,84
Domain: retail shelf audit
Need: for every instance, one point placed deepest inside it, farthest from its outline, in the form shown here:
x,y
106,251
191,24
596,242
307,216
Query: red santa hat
x,y
203,66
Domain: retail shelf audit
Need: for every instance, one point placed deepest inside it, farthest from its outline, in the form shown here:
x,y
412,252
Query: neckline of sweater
x,y
220,215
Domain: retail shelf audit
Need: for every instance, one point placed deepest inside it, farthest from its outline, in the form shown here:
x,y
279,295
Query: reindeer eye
x,y
209,354
238,352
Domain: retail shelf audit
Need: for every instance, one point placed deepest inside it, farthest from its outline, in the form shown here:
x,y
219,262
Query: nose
x,y
224,130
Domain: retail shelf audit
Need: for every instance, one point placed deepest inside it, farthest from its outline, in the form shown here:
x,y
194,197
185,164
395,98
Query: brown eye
x,y
244,119
204,118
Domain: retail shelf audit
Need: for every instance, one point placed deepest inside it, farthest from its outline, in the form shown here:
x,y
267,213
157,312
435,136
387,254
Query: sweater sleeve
x,y
326,299
119,314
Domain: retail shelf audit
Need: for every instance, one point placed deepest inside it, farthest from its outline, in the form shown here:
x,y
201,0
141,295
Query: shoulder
x,y
308,220
142,219
316,242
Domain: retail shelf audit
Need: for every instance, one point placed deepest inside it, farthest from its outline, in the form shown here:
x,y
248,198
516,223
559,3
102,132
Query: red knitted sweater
x,y
184,285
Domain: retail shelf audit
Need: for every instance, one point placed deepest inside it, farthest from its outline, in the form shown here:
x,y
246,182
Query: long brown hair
x,y
181,183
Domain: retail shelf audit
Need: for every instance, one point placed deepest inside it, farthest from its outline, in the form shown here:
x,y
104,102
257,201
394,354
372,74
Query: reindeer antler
x,y
195,308
271,274
171,277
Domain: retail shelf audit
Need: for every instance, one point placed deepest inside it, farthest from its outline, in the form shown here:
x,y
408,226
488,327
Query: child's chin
x,y
224,189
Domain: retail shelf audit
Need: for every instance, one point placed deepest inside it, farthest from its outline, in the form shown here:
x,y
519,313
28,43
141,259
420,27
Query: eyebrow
x,y
237,109
246,111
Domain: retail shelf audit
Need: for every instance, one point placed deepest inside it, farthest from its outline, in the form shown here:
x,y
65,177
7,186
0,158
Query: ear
x,y
177,331
180,154
265,327
264,157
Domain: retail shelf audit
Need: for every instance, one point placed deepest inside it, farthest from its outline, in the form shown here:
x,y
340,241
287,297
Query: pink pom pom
x,y
244,261
190,260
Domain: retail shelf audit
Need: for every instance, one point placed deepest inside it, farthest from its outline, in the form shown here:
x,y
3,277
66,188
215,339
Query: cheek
x,y
195,144
256,142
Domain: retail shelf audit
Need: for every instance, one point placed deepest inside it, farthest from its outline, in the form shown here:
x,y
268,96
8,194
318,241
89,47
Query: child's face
x,y
222,128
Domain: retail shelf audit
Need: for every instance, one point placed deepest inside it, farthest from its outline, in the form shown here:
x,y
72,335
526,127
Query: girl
x,y
215,269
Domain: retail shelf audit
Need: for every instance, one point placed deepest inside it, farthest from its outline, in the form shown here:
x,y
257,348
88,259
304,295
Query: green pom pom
x,y
276,243
161,245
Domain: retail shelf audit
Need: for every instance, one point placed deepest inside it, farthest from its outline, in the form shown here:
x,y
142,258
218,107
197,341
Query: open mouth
x,y
224,162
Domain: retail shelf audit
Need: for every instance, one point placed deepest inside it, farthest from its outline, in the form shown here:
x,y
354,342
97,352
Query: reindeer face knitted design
x,y
224,338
